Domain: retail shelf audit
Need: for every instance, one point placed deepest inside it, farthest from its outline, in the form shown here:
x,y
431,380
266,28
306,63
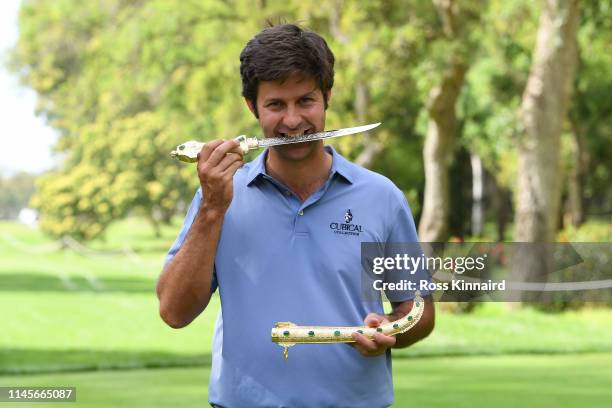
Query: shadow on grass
x,y
27,361
409,354
34,282
142,248
23,361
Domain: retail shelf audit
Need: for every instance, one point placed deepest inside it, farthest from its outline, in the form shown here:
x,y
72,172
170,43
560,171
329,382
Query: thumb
x,y
373,320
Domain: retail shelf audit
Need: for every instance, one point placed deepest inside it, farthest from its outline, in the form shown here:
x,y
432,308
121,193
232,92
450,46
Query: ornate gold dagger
x,y
188,151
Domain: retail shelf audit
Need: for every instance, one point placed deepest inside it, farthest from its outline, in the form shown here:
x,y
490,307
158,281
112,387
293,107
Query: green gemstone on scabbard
x,y
379,329
311,333
286,333
337,333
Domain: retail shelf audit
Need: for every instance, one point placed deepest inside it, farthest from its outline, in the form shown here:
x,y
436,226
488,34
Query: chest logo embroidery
x,y
346,227
348,216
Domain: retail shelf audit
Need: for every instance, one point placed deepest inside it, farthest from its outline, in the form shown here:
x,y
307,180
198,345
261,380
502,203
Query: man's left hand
x,y
377,346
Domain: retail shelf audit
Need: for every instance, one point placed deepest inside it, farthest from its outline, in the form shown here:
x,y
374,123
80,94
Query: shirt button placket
x,y
300,228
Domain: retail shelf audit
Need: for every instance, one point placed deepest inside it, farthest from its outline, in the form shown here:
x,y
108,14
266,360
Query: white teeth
x,y
295,134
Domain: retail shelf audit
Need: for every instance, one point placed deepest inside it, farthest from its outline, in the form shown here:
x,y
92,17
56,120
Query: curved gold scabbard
x,y
287,334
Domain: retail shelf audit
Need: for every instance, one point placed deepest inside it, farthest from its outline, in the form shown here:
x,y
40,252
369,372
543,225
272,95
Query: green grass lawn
x,y
65,312
494,381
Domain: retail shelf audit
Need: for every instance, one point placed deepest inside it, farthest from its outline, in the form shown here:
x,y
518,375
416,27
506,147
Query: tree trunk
x,y
440,138
438,154
155,224
542,113
502,206
574,208
372,146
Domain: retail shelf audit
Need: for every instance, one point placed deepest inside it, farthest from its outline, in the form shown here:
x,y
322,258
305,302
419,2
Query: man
x,y
265,234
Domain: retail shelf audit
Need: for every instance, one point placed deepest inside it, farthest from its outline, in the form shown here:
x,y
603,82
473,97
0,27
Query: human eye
x,y
273,104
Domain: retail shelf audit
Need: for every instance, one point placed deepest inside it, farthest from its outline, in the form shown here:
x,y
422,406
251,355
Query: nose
x,y
292,118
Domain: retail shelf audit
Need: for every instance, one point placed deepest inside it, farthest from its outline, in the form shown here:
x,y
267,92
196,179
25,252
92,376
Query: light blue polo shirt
x,y
280,259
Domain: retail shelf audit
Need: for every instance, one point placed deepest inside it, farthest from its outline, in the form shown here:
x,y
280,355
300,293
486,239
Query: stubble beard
x,y
297,152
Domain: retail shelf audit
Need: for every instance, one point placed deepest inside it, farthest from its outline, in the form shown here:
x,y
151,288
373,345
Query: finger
x,y
228,160
383,341
220,151
373,320
362,342
231,170
360,349
207,149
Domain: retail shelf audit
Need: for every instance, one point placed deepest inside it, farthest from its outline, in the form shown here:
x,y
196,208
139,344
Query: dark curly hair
x,y
277,52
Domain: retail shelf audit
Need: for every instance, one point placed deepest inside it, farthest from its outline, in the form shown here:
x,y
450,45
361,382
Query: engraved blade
x,y
276,141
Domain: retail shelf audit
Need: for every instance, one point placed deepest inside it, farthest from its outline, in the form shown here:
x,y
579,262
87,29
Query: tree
x,y
488,104
588,150
543,113
456,21
124,82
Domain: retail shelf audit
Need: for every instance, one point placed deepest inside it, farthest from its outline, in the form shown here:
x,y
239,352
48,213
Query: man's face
x,y
291,108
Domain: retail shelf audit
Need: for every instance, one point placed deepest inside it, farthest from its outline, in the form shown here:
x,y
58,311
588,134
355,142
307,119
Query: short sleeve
x,y
192,212
404,241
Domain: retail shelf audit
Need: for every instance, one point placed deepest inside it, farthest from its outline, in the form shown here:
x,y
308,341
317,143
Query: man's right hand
x,y
218,161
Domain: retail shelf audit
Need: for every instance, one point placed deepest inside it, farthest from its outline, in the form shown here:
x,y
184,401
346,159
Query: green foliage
x,y
492,95
126,81
591,111
591,231
493,92
123,82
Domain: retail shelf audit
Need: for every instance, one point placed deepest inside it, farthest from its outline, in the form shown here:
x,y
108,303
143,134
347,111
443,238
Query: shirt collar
x,y
340,166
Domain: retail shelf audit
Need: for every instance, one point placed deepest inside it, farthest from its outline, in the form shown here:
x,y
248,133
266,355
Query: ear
x,y
251,106
329,95
327,98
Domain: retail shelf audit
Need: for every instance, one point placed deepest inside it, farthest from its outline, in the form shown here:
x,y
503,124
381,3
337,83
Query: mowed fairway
x,y
499,381
87,317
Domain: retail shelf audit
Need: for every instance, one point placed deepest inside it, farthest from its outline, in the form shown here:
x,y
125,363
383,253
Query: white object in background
x,y
28,216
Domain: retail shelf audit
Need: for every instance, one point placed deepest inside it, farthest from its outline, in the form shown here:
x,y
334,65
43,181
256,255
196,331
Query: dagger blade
x,y
188,151
328,134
